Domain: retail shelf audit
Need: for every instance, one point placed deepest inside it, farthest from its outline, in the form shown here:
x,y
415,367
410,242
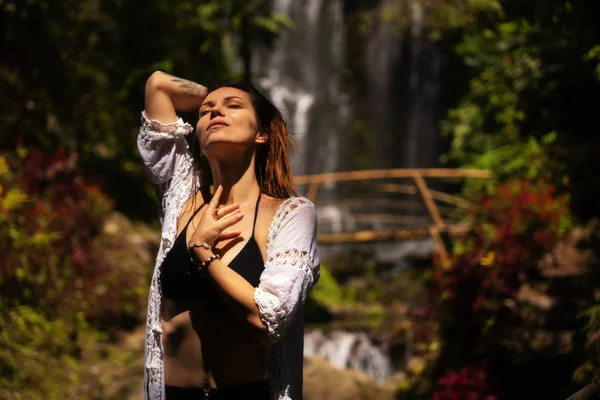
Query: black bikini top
x,y
179,281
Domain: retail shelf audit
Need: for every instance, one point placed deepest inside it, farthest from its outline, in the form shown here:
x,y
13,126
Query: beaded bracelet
x,y
204,245
206,263
194,258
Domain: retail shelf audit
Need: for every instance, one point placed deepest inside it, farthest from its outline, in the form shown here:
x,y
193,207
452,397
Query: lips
x,y
216,123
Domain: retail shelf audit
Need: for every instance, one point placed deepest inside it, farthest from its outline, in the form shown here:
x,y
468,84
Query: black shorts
x,y
253,390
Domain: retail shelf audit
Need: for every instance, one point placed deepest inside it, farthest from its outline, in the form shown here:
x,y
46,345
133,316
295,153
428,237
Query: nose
x,y
216,111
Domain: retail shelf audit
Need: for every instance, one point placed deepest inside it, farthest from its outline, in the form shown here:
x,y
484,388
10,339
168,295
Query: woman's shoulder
x,y
285,211
281,207
293,225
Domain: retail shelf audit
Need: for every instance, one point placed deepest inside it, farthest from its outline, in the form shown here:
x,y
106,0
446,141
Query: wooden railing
x,y
427,196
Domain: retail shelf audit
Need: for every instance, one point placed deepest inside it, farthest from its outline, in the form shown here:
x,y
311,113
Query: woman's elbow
x,y
154,81
259,329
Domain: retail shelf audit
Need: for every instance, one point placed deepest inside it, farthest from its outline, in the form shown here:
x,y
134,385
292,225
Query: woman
x,y
225,312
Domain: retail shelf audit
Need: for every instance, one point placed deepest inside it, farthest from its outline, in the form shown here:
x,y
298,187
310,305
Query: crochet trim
x,y
177,128
270,313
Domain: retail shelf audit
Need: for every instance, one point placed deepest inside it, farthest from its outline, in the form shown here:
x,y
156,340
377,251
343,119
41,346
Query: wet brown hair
x,y
273,171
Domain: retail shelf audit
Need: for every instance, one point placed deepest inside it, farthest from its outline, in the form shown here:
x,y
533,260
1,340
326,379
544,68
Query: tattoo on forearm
x,y
192,88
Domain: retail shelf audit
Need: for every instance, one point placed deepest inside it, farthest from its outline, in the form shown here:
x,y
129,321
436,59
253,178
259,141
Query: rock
x,y
575,255
541,342
132,245
323,381
527,294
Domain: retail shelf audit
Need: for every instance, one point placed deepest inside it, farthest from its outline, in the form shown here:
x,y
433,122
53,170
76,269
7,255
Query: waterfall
x,y
403,82
391,86
349,350
422,132
302,76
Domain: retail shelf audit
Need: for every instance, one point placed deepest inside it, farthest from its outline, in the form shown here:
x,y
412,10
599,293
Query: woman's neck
x,y
238,181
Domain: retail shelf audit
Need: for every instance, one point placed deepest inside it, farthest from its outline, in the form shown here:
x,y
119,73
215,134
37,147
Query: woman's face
x,y
227,121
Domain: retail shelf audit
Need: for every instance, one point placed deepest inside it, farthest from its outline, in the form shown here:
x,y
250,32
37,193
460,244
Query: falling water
x,y
349,350
383,52
303,78
403,93
422,133
303,75
398,100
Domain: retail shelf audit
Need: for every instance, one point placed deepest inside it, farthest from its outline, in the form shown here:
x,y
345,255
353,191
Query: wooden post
x,y
429,203
439,244
435,215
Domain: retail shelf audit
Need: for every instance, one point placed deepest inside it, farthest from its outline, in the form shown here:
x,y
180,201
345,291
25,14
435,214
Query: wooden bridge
x,y
390,204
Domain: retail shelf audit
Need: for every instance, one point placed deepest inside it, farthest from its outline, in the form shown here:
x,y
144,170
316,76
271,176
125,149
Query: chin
x,y
221,148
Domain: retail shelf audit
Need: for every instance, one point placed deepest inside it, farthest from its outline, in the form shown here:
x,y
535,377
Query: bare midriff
x,y
204,342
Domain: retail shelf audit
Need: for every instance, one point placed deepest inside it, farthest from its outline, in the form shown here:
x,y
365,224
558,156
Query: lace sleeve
x,y
163,147
292,266
166,154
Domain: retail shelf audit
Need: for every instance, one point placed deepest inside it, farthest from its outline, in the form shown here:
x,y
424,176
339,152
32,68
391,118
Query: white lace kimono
x,y
291,269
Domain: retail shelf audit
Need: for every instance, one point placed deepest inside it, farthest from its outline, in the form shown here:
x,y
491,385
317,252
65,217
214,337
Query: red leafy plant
x,y
468,383
511,231
50,221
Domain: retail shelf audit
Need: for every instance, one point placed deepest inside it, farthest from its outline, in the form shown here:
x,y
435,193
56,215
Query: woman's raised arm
x,y
161,140
166,94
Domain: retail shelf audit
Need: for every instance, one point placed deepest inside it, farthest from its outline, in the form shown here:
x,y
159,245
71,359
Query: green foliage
x,y
72,77
74,71
50,226
486,128
43,358
526,112
327,291
32,347
439,16
67,288
588,370
594,55
511,231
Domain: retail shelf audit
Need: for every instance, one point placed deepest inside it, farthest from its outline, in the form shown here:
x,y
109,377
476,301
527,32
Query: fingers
x,y
223,211
212,205
219,213
231,219
229,235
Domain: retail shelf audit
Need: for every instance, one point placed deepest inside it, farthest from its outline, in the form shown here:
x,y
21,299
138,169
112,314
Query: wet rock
x,y
349,350
323,381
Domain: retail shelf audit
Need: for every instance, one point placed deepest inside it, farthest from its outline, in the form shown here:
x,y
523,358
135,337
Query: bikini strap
x,y
255,214
194,214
